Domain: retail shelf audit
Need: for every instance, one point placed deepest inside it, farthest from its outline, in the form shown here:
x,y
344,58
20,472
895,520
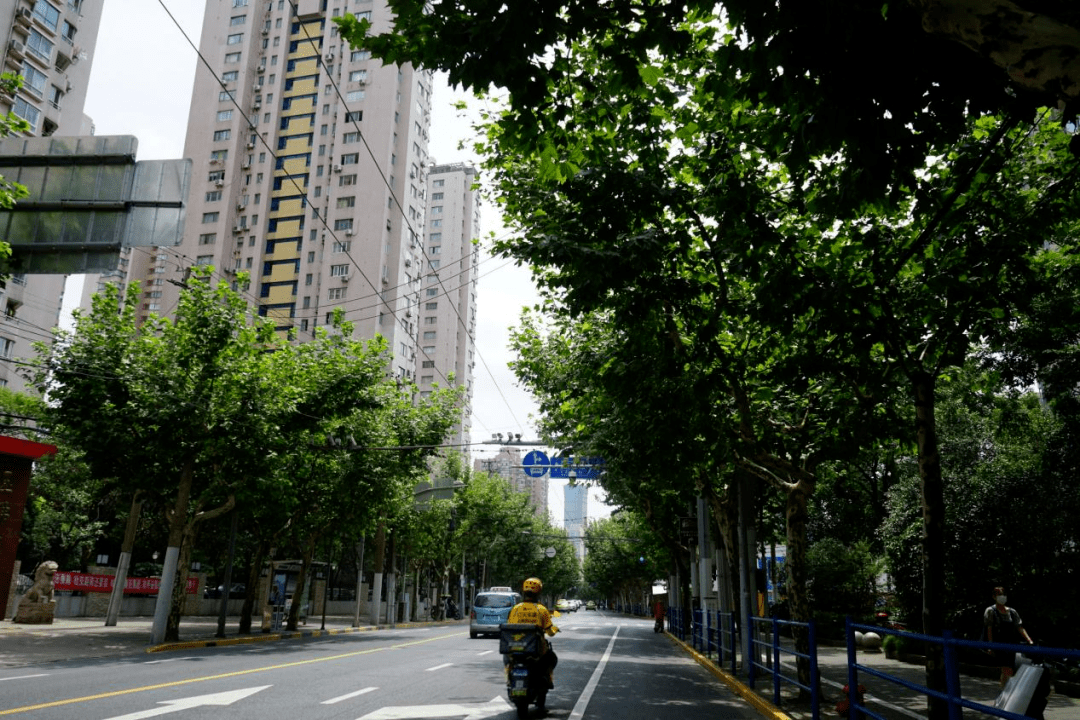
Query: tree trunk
x,y
795,513
177,521
254,573
301,583
116,599
933,507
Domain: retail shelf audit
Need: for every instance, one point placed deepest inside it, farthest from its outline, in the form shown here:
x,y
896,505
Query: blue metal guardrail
x,y
772,647
950,647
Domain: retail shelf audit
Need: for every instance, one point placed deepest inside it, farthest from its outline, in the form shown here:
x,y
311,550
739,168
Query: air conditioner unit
x,y
408,262
24,15
241,206
412,173
239,229
265,32
261,68
348,233
337,168
219,183
245,166
251,146
257,104
408,313
344,278
16,48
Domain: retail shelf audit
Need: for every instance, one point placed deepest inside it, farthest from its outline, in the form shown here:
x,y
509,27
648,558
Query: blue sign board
x,y
537,464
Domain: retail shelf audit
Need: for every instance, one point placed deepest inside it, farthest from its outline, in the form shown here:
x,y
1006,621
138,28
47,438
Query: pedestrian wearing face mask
x,y
1003,625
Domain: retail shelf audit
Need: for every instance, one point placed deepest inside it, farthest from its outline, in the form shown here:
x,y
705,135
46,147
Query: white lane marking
x,y
169,660
486,652
25,677
351,695
171,706
468,711
438,667
583,702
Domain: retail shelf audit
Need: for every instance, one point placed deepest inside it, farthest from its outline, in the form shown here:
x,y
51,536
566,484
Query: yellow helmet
x,y
532,585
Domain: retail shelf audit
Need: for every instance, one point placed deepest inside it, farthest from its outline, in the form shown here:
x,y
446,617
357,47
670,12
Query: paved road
x,y
610,666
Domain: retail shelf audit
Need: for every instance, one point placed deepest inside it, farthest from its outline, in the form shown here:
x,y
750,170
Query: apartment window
x,y
435,237
208,238
213,196
427,379
429,334
358,76
311,256
7,346
224,115
336,294
35,79
436,210
433,264
247,264
239,3
307,302
343,224
238,20
307,279
232,58
210,217
354,96
234,39
219,155
346,202
431,306
339,270
350,137
358,55
436,196
342,246
354,116
230,75
225,96
40,45
431,320
436,223
26,111
435,250
350,158
345,180
204,260
47,14
222,135
429,349
438,183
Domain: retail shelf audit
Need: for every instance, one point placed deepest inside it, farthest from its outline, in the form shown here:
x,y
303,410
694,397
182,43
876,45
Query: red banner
x,y
104,583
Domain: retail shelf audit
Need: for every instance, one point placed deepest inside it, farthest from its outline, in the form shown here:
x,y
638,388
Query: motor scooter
x,y
526,679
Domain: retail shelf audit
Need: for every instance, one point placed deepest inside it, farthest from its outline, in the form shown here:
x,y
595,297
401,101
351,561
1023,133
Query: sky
x,y
140,84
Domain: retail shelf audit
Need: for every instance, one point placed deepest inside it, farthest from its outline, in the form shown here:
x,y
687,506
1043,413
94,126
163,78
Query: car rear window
x,y
494,601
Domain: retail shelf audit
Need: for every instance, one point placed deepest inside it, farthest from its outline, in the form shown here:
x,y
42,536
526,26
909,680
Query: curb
x,y
272,637
760,704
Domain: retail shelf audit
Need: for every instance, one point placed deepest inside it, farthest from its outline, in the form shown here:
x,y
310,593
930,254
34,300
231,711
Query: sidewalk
x,y
887,699
84,638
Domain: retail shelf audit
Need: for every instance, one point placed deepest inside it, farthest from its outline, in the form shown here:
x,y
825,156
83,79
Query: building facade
x,y
310,192
50,44
508,464
575,515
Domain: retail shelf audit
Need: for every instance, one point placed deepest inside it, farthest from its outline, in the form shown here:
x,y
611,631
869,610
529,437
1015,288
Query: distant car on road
x,y
564,606
491,609
591,605
238,591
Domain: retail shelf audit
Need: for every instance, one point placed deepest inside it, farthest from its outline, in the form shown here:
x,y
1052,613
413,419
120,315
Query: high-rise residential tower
x,y
508,464
50,44
311,175
575,515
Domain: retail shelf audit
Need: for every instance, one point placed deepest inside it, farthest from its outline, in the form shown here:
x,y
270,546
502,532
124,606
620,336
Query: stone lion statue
x,y
38,604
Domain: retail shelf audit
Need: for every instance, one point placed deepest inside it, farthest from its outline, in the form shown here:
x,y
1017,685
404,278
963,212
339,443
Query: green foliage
x,y
623,556
841,578
1011,510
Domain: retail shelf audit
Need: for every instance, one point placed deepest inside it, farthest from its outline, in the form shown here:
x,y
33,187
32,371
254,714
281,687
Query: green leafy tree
x,y
623,558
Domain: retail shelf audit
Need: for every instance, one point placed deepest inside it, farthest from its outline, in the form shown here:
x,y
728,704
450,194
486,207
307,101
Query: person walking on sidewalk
x,y
1003,625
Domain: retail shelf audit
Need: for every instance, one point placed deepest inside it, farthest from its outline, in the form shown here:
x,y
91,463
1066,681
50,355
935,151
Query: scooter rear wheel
x,y
522,708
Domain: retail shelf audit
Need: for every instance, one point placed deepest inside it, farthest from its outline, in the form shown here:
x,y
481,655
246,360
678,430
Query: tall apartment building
x,y
311,174
508,464
50,44
575,515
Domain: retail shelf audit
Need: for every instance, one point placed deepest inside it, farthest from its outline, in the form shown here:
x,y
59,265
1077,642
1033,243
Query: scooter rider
x,y
531,612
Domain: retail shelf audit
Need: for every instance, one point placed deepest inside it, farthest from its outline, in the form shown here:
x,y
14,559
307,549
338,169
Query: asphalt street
x,y
609,666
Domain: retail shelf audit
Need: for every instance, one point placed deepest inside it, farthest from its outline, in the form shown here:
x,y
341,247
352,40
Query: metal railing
x,y
950,651
772,647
